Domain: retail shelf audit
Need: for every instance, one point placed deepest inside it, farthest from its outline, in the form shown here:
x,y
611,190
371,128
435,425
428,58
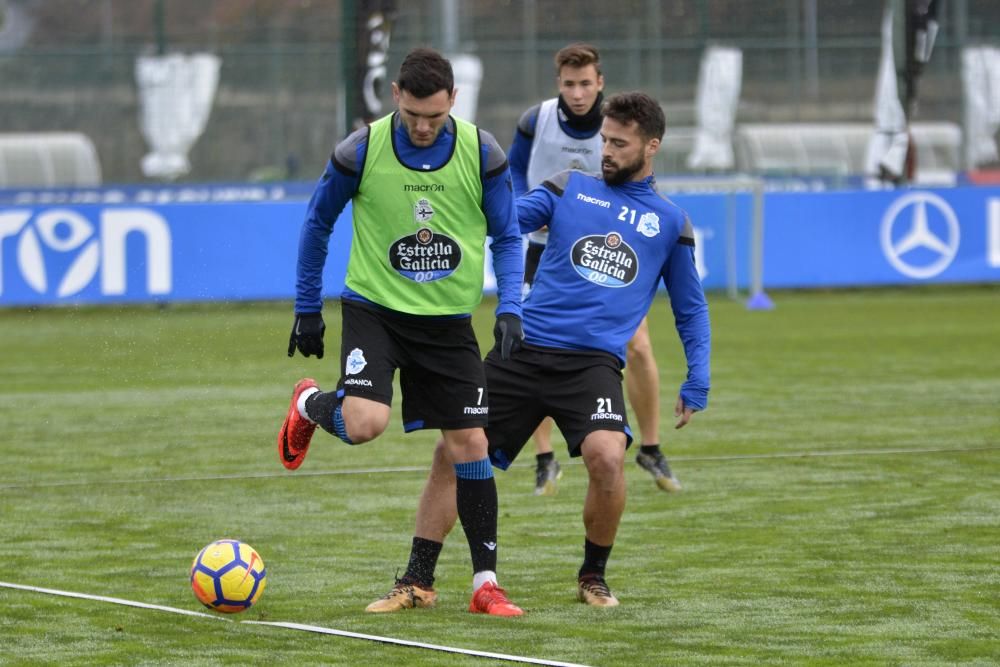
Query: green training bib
x,y
419,235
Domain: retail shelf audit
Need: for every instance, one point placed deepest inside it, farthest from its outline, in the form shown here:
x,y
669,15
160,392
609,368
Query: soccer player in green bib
x,y
426,190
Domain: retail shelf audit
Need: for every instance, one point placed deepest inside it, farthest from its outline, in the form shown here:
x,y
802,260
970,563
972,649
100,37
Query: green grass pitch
x,y
841,499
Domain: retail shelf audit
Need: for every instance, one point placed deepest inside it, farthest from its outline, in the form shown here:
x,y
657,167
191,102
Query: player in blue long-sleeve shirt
x,y
612,240
564,133
426,190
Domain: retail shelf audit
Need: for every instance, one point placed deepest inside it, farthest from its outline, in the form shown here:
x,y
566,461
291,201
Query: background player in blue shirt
x,y
564,133
612,240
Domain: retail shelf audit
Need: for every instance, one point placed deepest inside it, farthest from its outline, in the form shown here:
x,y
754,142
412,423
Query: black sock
x,y
595,558
423,560
324,409
650,449
320,407
544,458
477,510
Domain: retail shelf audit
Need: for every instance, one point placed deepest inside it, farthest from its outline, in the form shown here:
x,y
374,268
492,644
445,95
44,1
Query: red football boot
x,y
491,599
297,431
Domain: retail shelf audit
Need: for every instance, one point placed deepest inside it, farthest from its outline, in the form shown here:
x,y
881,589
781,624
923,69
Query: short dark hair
x,y
638,108
425,72
578,55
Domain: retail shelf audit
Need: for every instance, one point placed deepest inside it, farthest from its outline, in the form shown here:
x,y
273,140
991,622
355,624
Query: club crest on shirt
x,y
422,211
425,256
649,225
606,260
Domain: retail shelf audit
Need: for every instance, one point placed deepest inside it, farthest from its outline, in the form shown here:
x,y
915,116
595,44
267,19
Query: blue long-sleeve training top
x,y
609,247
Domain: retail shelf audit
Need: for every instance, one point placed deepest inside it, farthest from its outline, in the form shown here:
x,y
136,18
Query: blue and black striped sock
x,y
476,495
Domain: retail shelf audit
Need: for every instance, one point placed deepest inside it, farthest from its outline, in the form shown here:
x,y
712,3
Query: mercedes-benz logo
x,y
911,212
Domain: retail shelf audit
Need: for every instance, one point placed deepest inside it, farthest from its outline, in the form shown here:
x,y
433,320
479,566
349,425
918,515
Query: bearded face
x,y
625,153
616,173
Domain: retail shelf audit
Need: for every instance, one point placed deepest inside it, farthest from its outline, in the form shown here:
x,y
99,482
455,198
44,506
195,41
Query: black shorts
x,y
581,391
441,373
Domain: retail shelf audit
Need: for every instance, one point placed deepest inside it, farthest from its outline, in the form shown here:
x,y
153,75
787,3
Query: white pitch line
x,y
423,469
295,626
102,598
404,642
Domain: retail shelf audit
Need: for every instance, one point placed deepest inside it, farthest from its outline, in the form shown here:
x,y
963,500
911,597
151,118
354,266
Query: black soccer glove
x,y
307,335
508,334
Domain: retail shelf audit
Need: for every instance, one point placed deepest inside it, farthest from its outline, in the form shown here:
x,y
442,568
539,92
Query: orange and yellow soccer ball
x,y
228,576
